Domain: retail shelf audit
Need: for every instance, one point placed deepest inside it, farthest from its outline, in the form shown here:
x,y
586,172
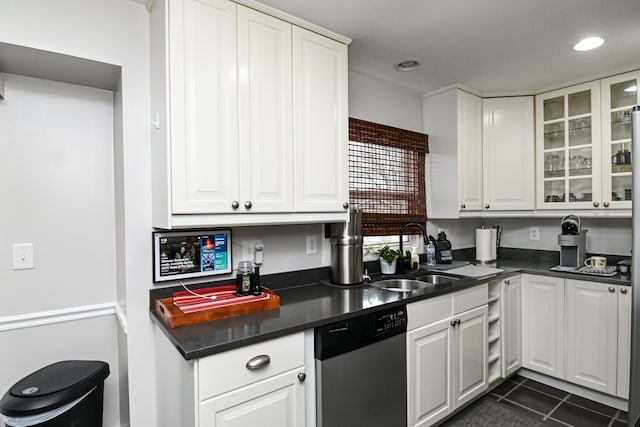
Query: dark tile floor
x,y
554,407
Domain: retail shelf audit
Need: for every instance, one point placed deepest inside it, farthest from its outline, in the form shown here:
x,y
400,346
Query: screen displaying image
x,y
180,255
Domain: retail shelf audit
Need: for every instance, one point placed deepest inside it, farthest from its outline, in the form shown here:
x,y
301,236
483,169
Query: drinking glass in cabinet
x,y
620,125
553,135
624,94
554,164
553,108
580,131
580,162
579,103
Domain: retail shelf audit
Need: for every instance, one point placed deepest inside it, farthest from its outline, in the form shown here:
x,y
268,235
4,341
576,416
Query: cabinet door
x,y
543,324
203,100
619,94
470,161
320,123
625,300
508,153
275,402
592,334
568,148
265,106
429,395
511,299
470,355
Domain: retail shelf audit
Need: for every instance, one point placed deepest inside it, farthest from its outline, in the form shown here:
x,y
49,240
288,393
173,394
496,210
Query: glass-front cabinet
x,y
619,95
568,147
583,144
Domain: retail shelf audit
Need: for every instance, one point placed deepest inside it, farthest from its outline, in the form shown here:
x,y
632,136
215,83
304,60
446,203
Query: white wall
x,y
113,32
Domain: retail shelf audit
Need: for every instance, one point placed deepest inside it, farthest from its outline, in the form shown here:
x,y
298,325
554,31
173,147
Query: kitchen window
x,y
387,176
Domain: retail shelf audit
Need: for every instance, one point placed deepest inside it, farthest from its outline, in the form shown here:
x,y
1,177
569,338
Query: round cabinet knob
x,y
463,206
302,376
596,204
507,281
248,204
605,204
235,204
345,205
486,206
458,322
453,323
623,290
612,289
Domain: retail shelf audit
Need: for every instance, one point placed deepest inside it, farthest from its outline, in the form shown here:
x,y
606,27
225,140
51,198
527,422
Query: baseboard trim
x,y
42,318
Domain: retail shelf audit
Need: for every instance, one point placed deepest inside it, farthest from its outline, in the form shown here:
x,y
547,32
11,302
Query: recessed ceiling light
x,y
408,65
588,43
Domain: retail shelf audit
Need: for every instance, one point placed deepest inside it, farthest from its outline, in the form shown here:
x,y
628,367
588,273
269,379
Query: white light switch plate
x,y
22,256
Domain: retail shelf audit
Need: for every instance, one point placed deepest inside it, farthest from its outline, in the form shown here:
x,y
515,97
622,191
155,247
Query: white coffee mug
x,y
596,262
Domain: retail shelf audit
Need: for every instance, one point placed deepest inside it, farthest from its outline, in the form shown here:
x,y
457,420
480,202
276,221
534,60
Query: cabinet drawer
x,y
470,298
427,311
226,371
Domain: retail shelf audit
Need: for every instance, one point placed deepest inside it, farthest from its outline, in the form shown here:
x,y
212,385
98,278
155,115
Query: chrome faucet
x,y
424,235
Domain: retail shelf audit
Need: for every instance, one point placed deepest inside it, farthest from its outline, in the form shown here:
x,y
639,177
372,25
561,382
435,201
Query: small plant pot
x,y
388,268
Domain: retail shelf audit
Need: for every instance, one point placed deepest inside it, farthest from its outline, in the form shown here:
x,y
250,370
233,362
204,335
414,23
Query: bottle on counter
x,y
431,254
415,260
244,279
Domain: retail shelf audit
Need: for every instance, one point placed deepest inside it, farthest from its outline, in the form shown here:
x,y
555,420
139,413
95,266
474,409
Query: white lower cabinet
x,y
511,325
598,335
446,354
589,322
543,320
275,402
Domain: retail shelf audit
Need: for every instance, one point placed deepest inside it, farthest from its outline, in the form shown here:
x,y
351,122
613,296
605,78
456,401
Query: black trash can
x,y
67,393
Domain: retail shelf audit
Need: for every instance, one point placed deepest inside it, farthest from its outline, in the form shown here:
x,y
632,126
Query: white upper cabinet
x,y
321,125
508,153
453,121
250,115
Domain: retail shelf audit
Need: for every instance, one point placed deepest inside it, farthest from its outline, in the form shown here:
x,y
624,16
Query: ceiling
x,y
492,46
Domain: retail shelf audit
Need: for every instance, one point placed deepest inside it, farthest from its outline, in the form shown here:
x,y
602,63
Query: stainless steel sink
x,y
402,285
436,279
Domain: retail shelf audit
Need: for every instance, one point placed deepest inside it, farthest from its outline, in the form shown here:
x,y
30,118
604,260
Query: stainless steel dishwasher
x,y
361,371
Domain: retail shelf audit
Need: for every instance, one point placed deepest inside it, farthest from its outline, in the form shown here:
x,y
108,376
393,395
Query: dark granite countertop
x,y
308,300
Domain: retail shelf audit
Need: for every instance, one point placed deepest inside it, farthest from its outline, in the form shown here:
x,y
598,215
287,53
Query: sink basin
x,y
401,285
436,279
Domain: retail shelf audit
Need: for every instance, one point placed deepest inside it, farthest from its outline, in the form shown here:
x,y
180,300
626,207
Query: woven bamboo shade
x,y
386,176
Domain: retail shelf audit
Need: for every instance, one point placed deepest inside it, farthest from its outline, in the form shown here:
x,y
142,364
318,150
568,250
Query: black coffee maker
x,y
443,248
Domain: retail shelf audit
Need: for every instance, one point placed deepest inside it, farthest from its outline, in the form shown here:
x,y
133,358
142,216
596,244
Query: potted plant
x,y
388,259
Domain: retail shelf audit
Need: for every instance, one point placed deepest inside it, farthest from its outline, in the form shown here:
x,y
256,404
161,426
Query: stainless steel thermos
x,y
346,250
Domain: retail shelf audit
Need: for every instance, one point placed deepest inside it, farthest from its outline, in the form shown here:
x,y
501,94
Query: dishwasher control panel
x,y
341,337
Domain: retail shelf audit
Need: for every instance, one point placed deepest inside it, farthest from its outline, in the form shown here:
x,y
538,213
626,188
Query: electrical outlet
x,y
446,231
534,233
312,245
23,256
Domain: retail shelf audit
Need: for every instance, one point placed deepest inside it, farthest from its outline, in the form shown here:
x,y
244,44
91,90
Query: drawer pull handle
x,y
258,362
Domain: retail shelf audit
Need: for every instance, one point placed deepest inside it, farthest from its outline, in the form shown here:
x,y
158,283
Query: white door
x,y
470,355
543,325
320,123
203,105
470,151
592,334
508,153
429,373
275,402
265,112
624,340
511,300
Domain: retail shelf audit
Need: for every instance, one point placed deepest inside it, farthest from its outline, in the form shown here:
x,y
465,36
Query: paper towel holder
x,y
486,246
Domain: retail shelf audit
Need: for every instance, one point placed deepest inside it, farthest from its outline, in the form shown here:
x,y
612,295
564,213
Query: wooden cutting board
x,y
172,316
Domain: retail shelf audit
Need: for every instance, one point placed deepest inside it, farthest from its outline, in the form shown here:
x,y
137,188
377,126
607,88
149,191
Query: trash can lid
x,y
53,386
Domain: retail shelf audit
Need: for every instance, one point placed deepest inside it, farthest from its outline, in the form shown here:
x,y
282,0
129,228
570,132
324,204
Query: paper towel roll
x,y
485,244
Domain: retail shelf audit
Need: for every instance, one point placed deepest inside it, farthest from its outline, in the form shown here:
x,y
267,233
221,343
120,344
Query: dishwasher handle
x,y
258,362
